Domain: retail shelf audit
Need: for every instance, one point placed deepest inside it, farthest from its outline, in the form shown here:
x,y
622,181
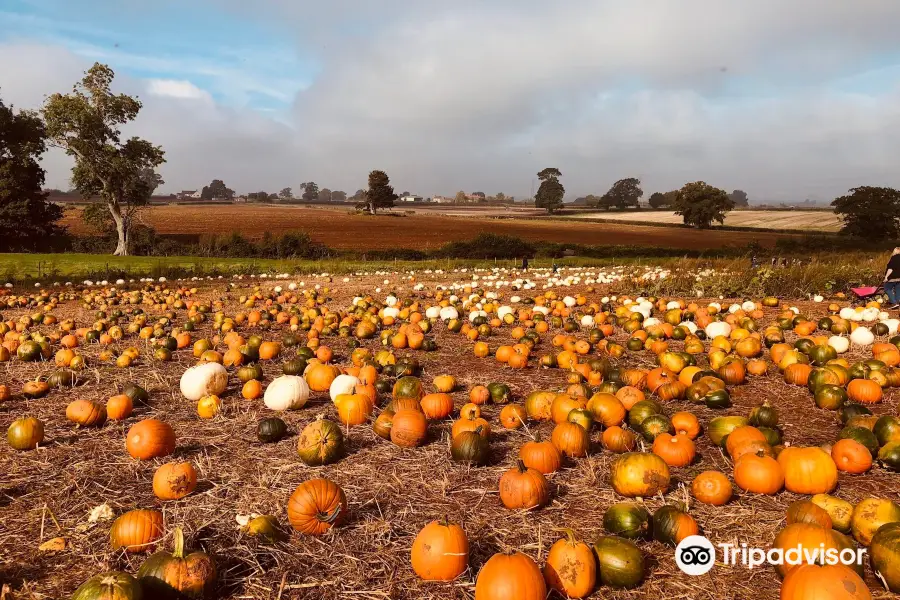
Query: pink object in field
x,y
862,292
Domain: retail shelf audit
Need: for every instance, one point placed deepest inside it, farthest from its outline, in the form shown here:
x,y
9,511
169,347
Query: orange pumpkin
x,y
544,457
252,389
440,552
676,450
851,457
150,438
808,470
513,416
758,474
316,506
864,391
712,487
687,424
173,481
136,530
119,407
571,568
510,577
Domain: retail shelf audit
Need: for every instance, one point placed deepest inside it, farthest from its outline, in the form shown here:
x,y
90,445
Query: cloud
x,y
785,101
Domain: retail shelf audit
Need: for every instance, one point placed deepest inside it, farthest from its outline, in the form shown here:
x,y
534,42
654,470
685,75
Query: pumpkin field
x,y
487,434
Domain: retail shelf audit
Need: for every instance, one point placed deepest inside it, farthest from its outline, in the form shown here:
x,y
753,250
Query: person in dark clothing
x,y
892,278
525,264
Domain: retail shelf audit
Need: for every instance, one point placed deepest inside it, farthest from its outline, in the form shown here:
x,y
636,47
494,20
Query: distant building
x,y
442,200
189,194
410,198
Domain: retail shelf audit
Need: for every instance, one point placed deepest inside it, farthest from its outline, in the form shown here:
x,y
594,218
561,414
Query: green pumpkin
x,y
500,392
666,524
174,576
429,345
621,562
720,427
306,353
764,416
627,519
820,355
408,387
295,366
320,443
469,447
248,372
884,554
889,456
112,585
609,387
773,435
271,430
830,397
804,345
654,426
62,378
887,429
717,399
29,351
862,436
848,411
825,324
641,410
137,394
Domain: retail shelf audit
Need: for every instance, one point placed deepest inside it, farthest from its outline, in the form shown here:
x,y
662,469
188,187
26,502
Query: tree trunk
x,y
372,207
121,228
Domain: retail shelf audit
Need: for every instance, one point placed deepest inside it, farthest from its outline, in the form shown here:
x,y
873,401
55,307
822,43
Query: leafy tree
x,y
217,189
27,220
258,196
325,195
700,204
310,191
86,125
739,197
380,193
461,197
338,196
359,196
501,197
657,200
480,195
551,192
624,193
870,212
286,193
96,216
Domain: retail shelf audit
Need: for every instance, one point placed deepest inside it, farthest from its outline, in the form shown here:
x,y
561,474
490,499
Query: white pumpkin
x,y
390,311
848,314
503,311
839,343
449,312
288,392
892,325
748,306
862,336
342,384
587,321
204,380
717,328
689,325
433,312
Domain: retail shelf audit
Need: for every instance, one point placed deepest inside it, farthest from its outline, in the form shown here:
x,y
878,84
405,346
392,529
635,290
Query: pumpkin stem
x,y
570,535
330,518
179,543
521,466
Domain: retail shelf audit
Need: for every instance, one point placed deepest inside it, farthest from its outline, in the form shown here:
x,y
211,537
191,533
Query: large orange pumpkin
x,y
712,487
759,474
808,470
510,577
571,568
828,582
440,552
851,457
316,506
136,530
174,480
523,488
864,391
150,438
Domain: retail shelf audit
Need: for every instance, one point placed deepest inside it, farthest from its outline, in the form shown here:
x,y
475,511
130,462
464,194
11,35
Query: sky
x,y
785,100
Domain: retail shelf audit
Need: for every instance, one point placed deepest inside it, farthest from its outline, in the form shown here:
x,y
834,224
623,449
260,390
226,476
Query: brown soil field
x,y
811,220
392,492
338,229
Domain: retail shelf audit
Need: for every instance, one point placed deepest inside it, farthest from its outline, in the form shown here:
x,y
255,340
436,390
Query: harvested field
x,y
392,492
338,229
807,220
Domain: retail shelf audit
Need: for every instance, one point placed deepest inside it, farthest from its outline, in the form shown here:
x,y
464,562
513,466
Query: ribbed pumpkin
x,y
676,450
607,409
638,474
671,525
150,438
112,585
409,428
805,511
523,488
544,457
353,409
119,407
320,443
471,424
136,530
437,406
470,447
316,506
571,439
408,387
712,487
173,576
25,433
808,536
808,470
741,436
797,374
440,552
864,391
618,440
510,577
86,413
851,457
571,568
759,474
319,376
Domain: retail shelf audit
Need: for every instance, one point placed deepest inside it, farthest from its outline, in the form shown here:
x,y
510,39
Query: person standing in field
x,y
892,278
525,263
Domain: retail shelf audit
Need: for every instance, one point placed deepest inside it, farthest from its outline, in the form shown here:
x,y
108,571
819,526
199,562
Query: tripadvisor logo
x,y
696,555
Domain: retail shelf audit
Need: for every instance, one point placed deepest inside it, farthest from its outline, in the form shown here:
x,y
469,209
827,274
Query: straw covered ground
x,y
392,492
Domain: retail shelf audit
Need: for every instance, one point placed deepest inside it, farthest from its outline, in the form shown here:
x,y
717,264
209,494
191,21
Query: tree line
x,y
86,124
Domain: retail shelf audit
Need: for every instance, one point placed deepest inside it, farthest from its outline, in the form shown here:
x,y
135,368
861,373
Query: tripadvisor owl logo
x,y
695,555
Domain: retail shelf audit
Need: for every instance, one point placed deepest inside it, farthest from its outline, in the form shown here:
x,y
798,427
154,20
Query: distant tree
x,y
551,192
659,200
217,189
86,125
480,196
338,196
380,193
405,194
624,193
258,196
700,204
870,212
359,196
286,194
325,195
461,197
27,220
310,191
739,197
501,197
